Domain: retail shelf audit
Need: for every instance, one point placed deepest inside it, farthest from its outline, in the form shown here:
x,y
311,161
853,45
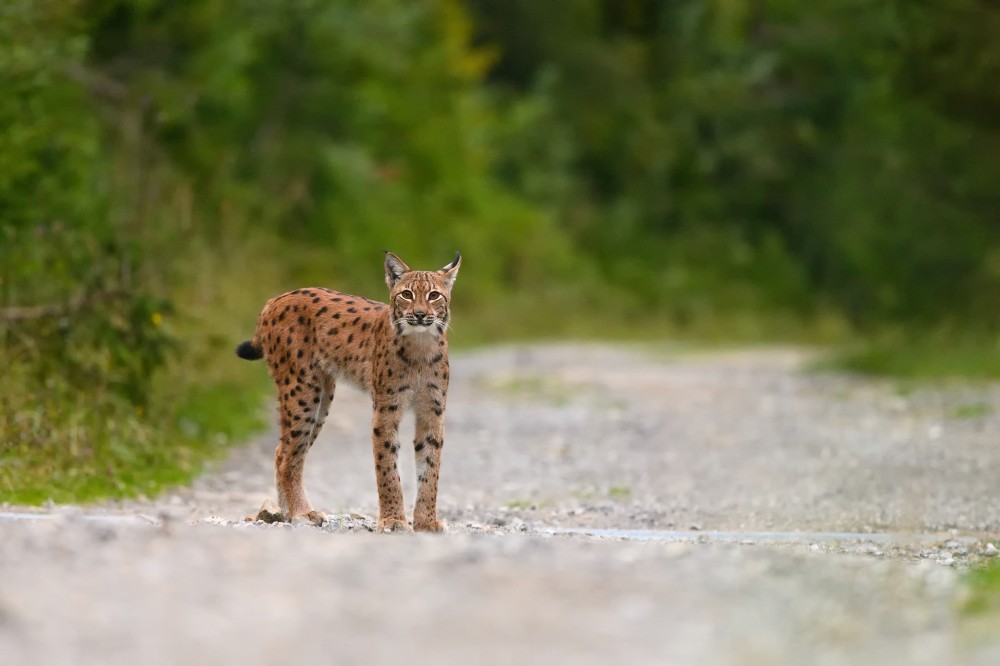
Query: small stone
x,y
991,550
269,512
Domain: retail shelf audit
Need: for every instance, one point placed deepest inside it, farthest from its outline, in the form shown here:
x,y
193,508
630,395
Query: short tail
x,y
249,351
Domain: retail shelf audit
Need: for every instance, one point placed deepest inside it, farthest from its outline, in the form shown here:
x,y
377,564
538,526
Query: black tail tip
x,y
248,351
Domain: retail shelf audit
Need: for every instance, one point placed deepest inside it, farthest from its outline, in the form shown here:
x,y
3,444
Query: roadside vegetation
x,y
625,169
925,356
981,608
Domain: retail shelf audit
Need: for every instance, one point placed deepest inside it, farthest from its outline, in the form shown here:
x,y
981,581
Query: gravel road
x,y
699,457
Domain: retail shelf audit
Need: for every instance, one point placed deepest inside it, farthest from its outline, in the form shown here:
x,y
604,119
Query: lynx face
x,y
419,299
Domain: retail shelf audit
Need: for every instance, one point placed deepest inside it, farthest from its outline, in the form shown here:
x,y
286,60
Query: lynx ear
x,y
394,269
451,270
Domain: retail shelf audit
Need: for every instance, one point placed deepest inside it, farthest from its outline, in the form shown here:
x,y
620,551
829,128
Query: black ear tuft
x,y
451,270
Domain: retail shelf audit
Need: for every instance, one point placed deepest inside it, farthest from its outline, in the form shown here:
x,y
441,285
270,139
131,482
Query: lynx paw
x,y
317,518
429,526
392,525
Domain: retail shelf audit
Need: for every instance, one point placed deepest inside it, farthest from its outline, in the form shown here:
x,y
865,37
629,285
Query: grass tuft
x,y
619,492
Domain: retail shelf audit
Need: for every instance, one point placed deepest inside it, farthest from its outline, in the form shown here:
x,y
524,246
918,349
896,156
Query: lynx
x,y
398,353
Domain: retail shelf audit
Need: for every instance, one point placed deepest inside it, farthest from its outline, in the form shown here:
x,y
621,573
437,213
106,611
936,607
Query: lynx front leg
x,y
427,449
385,448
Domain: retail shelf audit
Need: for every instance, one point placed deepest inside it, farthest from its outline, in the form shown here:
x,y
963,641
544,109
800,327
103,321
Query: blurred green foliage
x,y
608,168
837,152
983,584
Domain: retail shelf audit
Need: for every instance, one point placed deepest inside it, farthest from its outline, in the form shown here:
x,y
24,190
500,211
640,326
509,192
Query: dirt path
x,y
540,439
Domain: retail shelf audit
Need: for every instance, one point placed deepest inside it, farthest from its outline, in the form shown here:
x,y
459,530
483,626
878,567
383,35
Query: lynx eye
x,y
406,295
433,296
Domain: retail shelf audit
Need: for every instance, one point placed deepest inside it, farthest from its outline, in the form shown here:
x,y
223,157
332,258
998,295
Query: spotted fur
x,y
311,338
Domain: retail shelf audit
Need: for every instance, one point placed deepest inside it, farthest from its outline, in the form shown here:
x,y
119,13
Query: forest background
x,y
708,171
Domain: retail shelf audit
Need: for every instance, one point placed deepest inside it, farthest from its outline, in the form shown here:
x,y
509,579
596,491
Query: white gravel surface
x,y
701,452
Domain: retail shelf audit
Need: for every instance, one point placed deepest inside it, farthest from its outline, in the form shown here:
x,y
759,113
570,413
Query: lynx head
x,y
418,300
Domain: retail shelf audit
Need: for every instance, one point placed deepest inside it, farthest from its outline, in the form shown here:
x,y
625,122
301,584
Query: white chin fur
x,y
410,329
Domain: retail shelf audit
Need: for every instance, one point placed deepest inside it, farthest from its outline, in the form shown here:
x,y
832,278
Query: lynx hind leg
x,y
303,409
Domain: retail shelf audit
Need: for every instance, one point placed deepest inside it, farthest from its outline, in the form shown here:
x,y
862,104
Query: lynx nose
x,y
419,315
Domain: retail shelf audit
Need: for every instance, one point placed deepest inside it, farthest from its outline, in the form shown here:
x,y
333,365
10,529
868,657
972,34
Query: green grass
x,y
541,388
590,314
67,444
930,357
974,410
983,591
80,454
619,492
